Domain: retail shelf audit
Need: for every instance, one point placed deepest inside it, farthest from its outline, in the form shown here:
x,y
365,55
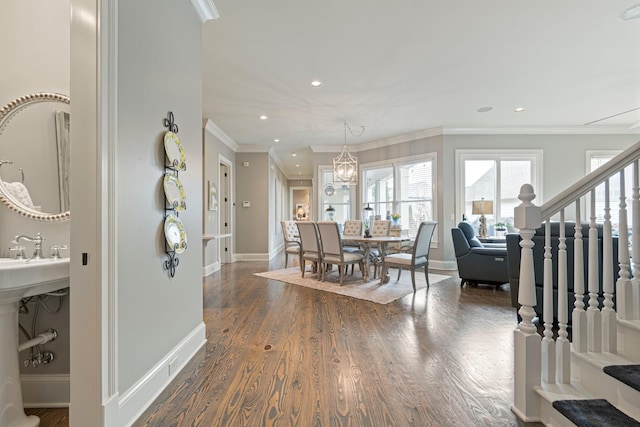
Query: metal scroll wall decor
x,y
175,161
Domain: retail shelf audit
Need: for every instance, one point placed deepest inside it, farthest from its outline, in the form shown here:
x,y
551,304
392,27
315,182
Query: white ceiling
x,y
411,65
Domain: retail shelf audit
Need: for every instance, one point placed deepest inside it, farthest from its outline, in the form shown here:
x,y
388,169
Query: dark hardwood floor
x,y
285,355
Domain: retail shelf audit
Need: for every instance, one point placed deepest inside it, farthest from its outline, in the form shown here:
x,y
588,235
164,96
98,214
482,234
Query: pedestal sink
x,y
21,278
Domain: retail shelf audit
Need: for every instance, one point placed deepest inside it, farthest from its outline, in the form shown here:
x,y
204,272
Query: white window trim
x,y
400,161
490,154
319,194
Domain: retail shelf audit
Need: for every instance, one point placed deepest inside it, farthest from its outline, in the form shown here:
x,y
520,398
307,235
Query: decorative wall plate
x,y
175,234
174,150
174,191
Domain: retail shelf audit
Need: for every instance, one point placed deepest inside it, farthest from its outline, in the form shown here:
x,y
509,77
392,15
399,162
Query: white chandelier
x,y
345,166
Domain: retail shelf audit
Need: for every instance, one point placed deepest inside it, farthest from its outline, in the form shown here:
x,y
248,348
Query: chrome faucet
x,y
37,250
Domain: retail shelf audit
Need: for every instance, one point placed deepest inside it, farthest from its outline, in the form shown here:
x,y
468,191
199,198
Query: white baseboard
x,y
211,268
138,398
443,265
46,391
252,257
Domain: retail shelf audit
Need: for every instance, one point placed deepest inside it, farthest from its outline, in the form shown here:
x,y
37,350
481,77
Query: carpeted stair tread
x,y
628,374
593,413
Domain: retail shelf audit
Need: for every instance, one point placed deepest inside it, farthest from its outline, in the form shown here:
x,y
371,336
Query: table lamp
x,y
482,207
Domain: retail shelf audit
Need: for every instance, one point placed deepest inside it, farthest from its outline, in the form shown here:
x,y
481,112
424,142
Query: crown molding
x,y
539,130
250,148
219,133
276,160
479,130
205,9
379,143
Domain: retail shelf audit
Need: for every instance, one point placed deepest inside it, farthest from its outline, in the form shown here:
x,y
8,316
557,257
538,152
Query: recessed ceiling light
x,y
293,154
263,117
485,109
316,83
519,110
299,173
276,140
297,166
631,13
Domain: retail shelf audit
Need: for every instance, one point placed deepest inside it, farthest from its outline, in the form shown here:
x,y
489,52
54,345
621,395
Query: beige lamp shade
x,y
482,207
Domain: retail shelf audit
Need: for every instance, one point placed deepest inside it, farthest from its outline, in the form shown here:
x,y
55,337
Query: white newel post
x,y
527,342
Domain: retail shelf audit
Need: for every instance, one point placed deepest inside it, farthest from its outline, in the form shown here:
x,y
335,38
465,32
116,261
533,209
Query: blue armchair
x,y
478,262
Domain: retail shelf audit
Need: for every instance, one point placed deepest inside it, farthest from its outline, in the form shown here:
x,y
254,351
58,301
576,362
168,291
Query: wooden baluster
x,y
609,329
548,344
635,239
579,316
527,343
563,346
594,320
624,291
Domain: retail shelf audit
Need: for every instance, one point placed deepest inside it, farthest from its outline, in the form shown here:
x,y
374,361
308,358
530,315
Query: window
x,y
595,159
495,175
339,197
403,186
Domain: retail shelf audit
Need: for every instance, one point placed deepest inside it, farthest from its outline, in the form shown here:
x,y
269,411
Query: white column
x,y
548,344
594,321
609,330
624,291
579,316
563,346
527,343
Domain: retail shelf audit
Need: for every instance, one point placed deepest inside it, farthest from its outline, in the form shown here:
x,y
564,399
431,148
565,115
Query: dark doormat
x,y
593,413
628,374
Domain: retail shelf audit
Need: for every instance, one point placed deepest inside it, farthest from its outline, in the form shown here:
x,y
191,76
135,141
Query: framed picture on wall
x,y
213,196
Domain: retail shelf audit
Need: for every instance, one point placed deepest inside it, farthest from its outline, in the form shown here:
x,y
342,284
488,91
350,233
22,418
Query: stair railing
x,y
539,360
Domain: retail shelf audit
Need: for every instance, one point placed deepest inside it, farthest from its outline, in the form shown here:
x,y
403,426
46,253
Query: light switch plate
x,y
246,204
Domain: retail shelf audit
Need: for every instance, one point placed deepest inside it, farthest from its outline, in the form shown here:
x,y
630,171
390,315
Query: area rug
x,y
353,286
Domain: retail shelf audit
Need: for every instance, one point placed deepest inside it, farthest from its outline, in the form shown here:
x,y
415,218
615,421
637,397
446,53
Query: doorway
x,y
300,209
225,212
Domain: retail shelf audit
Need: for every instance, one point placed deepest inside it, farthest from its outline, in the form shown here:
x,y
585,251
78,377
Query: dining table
x,y
367,243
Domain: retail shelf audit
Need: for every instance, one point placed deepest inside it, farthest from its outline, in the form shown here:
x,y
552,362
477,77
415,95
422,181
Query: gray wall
x,y
252,223
35,58
159,70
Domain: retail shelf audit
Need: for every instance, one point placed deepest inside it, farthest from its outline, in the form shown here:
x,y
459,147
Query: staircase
x,y
587,374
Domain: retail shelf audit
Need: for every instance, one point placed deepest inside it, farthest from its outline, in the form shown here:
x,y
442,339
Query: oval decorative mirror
x,y
34,156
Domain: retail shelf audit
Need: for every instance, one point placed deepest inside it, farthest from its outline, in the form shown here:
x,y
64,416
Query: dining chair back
x,y
381,227
417,257
310,247
291,241
333,252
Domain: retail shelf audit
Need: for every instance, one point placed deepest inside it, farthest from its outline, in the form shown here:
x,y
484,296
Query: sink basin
x,y
20,278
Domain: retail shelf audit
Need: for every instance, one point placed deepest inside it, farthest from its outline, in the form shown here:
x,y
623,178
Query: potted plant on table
x,y
500,229
395,217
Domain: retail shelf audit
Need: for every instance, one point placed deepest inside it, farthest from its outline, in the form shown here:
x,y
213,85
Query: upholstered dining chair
x,y
381,228
416,258
310,247
352,227
333,251
291,241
